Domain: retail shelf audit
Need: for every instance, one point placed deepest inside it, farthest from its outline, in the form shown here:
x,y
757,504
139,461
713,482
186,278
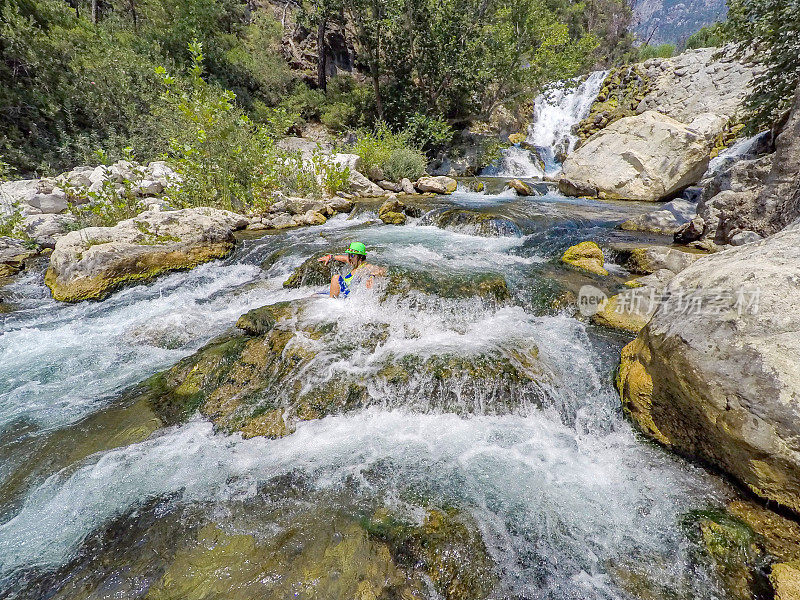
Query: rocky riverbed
x,y
473,426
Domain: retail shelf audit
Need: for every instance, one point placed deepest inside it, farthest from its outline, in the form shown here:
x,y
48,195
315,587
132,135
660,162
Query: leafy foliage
x,y
710,36
226,160
771,30
661,51
390,151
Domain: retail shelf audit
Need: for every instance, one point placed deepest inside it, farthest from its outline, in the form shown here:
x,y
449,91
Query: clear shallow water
x,y
563,493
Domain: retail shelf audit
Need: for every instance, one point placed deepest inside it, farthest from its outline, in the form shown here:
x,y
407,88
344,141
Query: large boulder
x,y
696,84
714,375
646,157
93,262
779,201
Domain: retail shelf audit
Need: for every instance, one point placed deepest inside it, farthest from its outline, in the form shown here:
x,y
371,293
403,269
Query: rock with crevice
x,y
13,254
90,263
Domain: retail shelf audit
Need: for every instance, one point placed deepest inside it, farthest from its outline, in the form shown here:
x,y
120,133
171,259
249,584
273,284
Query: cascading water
x,y
742,149
566,500
555,112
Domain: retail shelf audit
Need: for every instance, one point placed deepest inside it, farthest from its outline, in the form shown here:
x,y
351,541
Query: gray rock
x,y
306,147
390,186
50,204
339,204
407,186
723,384
281,221
688,86
745,237
46,229
437,185
666,221
646,157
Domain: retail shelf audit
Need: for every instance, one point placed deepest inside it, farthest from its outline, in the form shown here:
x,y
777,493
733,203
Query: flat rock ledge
x,y
91,263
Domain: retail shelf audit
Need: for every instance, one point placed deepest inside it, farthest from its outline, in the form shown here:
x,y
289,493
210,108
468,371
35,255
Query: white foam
x,y
535,486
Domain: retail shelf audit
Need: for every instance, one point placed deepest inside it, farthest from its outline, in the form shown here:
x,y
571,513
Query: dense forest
x,y
108,75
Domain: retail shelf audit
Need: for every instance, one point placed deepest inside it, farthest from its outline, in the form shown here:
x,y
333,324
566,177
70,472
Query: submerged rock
x,y
734,549
91,263
488,286
586,256
715,377
645,157
290,367
471,222
312,272
522,188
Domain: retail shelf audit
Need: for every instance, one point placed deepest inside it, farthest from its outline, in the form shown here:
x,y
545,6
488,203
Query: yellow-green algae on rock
x,y
586,256
90,263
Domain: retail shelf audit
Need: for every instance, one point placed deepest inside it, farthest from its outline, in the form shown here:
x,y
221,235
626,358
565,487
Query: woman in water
x,y
361,270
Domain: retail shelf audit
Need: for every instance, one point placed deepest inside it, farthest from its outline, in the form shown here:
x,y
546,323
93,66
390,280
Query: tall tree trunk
x,y
376,58
322,76
94,12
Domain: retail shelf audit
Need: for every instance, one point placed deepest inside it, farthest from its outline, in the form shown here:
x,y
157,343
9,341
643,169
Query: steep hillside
x,y
672,21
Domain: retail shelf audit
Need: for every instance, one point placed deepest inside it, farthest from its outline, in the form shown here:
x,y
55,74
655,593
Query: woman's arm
x,y
329,257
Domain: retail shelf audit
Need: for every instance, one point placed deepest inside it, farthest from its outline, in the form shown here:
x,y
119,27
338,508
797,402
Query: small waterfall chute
x,y
556,111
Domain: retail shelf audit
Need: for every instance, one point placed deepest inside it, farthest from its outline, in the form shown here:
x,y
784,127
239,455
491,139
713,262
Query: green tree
x,y
770,30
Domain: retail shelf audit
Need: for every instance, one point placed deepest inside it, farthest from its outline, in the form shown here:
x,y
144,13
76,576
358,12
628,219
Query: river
x,y
99,500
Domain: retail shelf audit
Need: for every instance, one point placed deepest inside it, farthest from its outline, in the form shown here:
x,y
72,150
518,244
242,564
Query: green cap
x,y
357,248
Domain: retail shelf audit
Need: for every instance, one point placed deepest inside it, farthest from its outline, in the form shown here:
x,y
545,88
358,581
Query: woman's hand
x,y
325,259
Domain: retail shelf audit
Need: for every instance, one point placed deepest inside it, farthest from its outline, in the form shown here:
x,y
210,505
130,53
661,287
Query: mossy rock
x,y
734,549
488,286
311,273
623,312
261,320
623,90
476,223
393,218
325,554
447,547
586,256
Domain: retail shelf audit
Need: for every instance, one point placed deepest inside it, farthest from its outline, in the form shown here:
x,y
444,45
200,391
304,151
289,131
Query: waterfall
x,y
555,112
745,148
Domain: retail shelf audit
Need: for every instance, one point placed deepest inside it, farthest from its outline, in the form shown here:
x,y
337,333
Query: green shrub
x,y
226,160
767,32
647,52
404,162
710,36
378,147
338,116
431,134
